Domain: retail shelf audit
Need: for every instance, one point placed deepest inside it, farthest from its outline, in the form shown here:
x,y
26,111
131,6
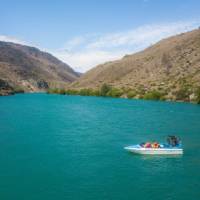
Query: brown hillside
x,y
168,65
29,69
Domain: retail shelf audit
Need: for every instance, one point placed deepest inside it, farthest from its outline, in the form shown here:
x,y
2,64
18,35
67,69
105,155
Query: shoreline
x,y
192,96
45,92
167,100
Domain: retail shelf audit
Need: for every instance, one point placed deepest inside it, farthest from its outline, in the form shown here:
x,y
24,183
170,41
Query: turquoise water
x,y
71,147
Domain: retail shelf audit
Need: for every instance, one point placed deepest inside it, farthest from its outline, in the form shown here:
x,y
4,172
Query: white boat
x,y
172,147
137,149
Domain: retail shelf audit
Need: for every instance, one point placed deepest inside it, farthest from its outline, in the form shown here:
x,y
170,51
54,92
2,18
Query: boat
x,y
172,147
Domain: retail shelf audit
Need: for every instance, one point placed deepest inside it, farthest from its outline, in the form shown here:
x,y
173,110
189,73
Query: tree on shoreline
x,y
104,90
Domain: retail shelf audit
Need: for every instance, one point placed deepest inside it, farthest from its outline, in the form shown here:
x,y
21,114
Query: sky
x,y
85,33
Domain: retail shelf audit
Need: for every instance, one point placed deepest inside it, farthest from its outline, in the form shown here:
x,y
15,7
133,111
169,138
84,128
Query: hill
x,y
24,68
170,67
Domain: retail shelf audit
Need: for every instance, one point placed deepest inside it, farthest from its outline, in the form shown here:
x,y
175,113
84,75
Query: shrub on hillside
x,y
131,94
182,94
53,91
197,93
153,95
114,92
104,90
89,92
57,91
72,92
95,93
18,89
62,91
84,92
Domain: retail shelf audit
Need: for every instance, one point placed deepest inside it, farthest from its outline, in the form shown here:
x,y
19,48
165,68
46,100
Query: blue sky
x,y
85,33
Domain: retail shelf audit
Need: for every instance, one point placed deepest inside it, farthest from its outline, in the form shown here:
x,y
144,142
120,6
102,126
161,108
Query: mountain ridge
x,y
28,69
170,65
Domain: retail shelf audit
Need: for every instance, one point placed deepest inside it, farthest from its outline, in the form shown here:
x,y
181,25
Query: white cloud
x,y
75,42
83,61
142,35
85,52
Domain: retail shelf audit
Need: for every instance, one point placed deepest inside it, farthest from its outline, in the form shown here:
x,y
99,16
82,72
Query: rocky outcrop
x,y
5,88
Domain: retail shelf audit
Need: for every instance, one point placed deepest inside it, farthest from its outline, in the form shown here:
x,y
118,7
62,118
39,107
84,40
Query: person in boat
x,y
150,145
155,145
147,145
173,141
142,144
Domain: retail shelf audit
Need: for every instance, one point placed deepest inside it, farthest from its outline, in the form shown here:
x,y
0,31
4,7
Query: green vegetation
x,y
153,95
88,92
131,94
197,94
62,91
82,92
56,91
104,90
109,91
85,92
182,94
71,92
18,89
114,92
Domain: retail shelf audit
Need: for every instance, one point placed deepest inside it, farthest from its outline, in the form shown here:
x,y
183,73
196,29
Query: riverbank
x,y
10,92
109,91
182,95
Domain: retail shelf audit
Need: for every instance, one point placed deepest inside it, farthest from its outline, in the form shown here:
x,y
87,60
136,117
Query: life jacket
x,y
147,145
155,145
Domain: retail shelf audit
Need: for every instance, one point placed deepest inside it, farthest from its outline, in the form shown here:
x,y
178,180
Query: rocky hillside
x,y
172,66
24,68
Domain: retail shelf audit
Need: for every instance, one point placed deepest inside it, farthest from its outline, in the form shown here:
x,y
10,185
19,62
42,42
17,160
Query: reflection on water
x,y
156,157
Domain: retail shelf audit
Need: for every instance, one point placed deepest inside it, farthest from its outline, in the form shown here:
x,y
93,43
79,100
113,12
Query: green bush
x,y
104,90
62,91
114,92
56,91
163,98
153,95
53,91
107,90
95,93
141,96
72,92
141,90
84,92
18,89
197,93
182,94
131,94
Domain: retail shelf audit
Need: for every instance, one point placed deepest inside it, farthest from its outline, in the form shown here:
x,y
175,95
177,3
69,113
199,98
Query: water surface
x,y
71,147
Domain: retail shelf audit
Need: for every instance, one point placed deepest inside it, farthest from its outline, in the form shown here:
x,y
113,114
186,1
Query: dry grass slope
x,y
171,65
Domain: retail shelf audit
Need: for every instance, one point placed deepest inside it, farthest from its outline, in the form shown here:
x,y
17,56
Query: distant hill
x,y
171,65
24,68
